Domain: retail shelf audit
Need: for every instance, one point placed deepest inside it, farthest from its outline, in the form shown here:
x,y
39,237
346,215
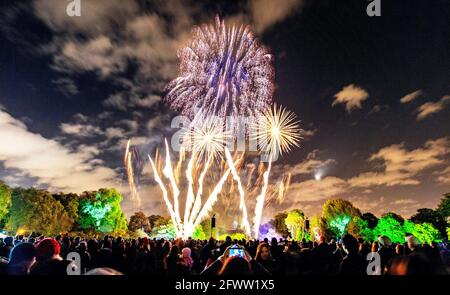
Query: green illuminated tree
x,y
390,227
371,219
360,228
431,216
139,221
37,210
198,233
206,226
397,217
100,211
166,231
5,202
279,224
425,232
295,223
338,215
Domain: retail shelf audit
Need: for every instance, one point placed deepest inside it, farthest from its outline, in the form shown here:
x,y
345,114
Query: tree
x,y
360,228
166,231
157,220
443,208
431,216
318,227
233,236
5,202
139,221
371,219
100,211
206,226
425,232
37,210
295,223
198,233
339,215
424,215
70,203
390,227
279,224
397,217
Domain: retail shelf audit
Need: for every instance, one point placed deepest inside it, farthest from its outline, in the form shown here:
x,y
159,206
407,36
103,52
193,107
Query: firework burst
x,y
276,131
206,137
225,72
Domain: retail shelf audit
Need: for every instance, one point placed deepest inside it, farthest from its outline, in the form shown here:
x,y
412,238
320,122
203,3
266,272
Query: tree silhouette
x,y
139,221
278,223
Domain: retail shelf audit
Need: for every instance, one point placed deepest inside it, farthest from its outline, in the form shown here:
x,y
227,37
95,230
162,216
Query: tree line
x,y
99,212
36,210
340,216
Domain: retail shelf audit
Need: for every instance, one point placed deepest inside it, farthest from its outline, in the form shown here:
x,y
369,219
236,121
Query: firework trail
x,y
224,71
260,202
245,224
168,172
192,219
166,198
198,197
212,199
129,167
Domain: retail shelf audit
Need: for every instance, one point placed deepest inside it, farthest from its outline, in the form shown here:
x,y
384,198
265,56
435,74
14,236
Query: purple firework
x,y
224,71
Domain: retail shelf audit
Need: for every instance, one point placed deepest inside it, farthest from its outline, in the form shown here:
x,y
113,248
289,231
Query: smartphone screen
x,y
236,252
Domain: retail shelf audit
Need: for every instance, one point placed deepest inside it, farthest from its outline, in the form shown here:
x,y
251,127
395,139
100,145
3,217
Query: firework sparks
x,y
277,131
224,71
130,175
192,218
206,136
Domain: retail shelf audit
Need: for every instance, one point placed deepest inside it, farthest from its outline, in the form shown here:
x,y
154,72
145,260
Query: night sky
x,y
372,94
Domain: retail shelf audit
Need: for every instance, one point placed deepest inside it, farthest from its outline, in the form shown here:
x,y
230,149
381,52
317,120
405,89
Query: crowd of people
x,y
34,255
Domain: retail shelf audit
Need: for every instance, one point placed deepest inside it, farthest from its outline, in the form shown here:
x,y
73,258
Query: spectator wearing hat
x,y
48,260
186,262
